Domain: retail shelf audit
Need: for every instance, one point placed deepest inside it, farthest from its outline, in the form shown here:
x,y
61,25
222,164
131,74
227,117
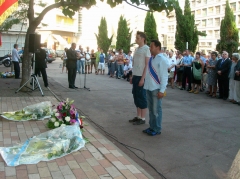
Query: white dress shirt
x,y
160,64
15,55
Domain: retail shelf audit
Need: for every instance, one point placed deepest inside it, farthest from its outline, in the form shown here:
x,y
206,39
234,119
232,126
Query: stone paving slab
x,y
98,159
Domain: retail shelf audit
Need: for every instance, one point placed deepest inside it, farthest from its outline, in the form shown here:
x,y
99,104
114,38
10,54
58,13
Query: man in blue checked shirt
x,y
187,73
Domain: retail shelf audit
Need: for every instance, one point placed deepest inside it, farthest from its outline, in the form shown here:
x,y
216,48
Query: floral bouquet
x,y
38,111
65,114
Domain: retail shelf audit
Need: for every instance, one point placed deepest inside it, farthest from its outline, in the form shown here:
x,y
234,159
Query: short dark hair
x,y
214,53
157,43
143,35
129,51
15,45
179,52
198,53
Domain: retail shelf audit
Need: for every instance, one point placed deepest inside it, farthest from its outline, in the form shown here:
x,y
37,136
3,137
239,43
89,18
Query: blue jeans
x,y
155,110
80,65
120,71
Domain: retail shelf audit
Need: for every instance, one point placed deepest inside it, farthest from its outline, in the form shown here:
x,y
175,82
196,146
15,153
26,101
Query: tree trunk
x,y
26,63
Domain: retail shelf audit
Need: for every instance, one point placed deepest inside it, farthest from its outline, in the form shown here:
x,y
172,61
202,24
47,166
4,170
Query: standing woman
x,y
212,75
93,61
237,80
64,58
197,71
179,69
112,64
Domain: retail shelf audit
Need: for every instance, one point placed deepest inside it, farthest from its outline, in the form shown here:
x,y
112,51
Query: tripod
x,y
84,87
33,79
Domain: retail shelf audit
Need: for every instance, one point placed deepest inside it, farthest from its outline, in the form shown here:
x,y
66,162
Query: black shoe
x,y
139,122
220,97
134,119
201,90
224,98
71,87
189,89
75,87
18,78
182,88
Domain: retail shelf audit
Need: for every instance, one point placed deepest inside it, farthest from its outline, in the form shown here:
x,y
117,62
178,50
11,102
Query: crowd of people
x,y
215,72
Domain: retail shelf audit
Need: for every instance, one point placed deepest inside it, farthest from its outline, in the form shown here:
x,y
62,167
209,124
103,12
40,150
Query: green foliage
x,y
228,33
150,28
186,30
123,35
102,38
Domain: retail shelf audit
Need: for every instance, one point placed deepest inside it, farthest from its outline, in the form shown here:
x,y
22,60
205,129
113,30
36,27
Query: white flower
x,y
67,100
53,119
34,116
63,125
56,114
56,124
55,110
67,118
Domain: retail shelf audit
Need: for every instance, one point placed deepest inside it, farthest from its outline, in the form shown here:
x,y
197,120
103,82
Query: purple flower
x,y
72,121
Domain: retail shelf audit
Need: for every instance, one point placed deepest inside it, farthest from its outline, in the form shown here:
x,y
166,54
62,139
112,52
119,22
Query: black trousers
x,y
223,84
16,69
187,73
44,75
72,77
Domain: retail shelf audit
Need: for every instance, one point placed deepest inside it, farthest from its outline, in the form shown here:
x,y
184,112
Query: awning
x,y
60,39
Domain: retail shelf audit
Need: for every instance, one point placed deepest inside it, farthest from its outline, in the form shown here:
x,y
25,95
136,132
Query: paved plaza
x,y
200,136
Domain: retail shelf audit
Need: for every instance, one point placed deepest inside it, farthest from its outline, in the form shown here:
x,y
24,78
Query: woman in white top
x,y
112,64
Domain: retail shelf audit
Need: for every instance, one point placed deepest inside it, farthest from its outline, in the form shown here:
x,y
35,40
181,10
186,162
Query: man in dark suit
x,y
72,65
40,65
223,68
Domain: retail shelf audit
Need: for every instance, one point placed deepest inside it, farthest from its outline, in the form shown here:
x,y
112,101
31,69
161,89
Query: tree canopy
x,y
123,35
229,39
150,28
102,38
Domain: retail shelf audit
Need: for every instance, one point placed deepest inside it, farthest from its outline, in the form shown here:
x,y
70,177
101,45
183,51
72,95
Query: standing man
x,y
155,84
223,67
129,57
187,73
40,65
72,65
140,63
88,61
120,64
15,60
171,69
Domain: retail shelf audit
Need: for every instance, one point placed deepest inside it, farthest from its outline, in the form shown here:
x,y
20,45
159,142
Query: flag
x,y
7,7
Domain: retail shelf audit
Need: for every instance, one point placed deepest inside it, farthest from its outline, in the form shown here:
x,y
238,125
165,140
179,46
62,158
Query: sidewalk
x,y
98,159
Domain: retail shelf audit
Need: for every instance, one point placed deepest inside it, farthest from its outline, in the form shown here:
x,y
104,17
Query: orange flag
x,y
7,7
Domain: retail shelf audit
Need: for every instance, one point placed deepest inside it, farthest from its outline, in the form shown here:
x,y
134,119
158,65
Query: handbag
x,y
197,73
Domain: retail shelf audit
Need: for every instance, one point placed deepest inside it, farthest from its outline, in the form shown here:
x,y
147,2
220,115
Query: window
x,y
217,34
163,20
193,4
198,12
203,43
217,22
209,44
193,13
205,1
203,23
210,10
204,12
217,9
210,33
210,22
163,13
233,6
64,20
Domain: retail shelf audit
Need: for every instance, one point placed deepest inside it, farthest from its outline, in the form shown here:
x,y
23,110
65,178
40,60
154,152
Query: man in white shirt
x,y
155,84
127,71
15,60
171,69
140,63
88,61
